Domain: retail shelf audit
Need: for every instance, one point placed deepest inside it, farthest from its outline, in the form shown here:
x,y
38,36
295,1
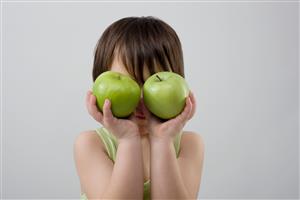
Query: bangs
x,y
140,64
144,45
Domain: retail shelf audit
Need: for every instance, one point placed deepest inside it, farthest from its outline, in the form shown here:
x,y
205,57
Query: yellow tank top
x,y
111,145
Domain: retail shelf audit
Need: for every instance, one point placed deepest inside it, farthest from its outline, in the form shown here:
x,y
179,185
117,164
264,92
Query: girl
x,y
141,157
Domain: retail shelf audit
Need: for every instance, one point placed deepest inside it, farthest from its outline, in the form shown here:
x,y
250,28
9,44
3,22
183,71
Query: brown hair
x,y
142,43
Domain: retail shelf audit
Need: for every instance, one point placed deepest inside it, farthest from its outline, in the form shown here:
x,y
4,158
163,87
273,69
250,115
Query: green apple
x,y
122,91
164,94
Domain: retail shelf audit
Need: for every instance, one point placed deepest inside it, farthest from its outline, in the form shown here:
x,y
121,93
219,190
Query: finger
x,y
132,118
87,98
107,114
88,102
194,104
93,109
183,117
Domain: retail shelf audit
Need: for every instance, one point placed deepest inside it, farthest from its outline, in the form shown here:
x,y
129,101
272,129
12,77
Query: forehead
x,y
118,66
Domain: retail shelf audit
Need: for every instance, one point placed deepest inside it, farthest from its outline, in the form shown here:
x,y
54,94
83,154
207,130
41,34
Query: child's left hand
x,y
169,129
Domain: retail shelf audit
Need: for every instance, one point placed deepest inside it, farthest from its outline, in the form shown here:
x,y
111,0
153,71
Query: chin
x,y
143,130
142,122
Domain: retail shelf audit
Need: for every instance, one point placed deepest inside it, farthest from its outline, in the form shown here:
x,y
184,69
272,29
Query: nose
x,y
140,106
142,92
141,102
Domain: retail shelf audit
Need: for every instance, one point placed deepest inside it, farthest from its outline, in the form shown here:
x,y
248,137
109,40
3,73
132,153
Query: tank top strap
x,y
109,141
176,142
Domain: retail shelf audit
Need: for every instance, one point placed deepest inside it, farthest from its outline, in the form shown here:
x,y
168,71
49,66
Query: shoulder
x,y
88,140
91,161
191,159
192,138
192,143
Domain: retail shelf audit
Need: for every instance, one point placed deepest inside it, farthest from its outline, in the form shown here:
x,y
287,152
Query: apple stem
x,y
158,78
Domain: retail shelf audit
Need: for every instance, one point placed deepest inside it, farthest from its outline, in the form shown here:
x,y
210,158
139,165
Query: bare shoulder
x,y
92,163
191,143
191,159
88,139
192,138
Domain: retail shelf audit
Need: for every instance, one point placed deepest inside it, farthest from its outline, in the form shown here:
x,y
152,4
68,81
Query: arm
x,y
100,178
166,179
171,177
177,178
127,176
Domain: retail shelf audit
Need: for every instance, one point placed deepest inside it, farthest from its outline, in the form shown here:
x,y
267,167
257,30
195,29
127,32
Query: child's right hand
x,y
120,128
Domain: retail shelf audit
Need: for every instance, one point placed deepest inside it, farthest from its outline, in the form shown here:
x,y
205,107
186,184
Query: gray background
x,y
241,61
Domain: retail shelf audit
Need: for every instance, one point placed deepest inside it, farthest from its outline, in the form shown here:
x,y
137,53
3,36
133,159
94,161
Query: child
x,y
124,157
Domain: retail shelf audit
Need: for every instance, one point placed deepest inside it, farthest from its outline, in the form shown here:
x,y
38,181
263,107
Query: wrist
x,y
157,140
130,138
159,147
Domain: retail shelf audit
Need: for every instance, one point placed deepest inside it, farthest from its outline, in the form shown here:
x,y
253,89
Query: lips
x,y
140,115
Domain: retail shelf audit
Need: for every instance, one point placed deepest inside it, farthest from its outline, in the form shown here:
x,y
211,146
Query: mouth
x,y
140,116
139,113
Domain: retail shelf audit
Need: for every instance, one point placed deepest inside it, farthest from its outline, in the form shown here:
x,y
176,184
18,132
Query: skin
x,y
145,151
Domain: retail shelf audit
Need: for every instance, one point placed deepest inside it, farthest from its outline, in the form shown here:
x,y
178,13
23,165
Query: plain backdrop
x,y
241,61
